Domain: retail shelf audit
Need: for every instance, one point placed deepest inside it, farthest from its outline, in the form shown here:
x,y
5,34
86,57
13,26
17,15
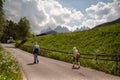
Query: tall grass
x,y
9,69
104,40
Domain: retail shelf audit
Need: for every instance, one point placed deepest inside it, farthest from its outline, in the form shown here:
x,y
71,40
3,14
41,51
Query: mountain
x,y
48,29
58,29
51,32
82,28
61,29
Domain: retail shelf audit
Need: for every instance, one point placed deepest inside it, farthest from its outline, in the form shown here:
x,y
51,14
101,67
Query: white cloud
x,y
97,11
44,13
101,13
41,13
92,22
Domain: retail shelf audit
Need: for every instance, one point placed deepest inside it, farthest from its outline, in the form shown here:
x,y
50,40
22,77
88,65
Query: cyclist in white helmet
x,y
76,56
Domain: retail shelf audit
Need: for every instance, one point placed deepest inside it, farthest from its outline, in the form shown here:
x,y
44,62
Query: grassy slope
x,y
9,69
97,40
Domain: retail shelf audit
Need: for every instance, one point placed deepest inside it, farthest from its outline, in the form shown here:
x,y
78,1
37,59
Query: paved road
x,y
49,69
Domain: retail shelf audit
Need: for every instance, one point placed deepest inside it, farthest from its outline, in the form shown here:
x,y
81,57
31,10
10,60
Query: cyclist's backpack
x,y
78,55
36,50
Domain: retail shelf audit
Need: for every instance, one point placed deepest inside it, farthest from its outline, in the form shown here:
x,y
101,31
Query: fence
x,y
105,57
96,57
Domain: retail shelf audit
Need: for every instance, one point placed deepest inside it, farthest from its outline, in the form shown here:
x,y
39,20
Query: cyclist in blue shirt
x,y
36,52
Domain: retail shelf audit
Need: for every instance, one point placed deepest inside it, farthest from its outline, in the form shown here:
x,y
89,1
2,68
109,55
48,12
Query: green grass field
x,y
9,69
103,40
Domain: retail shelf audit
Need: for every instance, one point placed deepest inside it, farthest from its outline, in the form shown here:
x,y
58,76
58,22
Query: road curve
x,y
50,69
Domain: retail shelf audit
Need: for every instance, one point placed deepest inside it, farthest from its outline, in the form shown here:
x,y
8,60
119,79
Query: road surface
x,y
50,69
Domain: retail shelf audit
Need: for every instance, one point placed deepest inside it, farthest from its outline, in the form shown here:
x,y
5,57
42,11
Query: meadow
x,y
9,69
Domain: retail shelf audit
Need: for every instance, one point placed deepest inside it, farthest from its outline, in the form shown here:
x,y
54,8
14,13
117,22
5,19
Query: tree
x,y
23,28
9,31
16,31
2,19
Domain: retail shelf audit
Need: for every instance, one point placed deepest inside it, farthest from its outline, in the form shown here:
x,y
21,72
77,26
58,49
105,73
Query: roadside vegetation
x,y
9,69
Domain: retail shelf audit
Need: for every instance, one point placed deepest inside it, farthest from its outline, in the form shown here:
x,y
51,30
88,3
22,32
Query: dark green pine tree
x,y
2,19
23,28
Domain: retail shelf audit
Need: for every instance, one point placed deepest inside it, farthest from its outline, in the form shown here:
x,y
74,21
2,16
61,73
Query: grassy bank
x,y
9,69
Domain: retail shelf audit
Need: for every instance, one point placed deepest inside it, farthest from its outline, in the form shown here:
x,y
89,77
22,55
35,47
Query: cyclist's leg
x,y
34,58
78,63
37,58
73,62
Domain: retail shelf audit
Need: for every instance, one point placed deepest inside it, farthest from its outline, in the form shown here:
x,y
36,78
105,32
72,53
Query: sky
x,y
71,14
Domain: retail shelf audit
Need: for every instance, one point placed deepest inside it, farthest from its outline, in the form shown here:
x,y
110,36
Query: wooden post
x,y
117,60
96,59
